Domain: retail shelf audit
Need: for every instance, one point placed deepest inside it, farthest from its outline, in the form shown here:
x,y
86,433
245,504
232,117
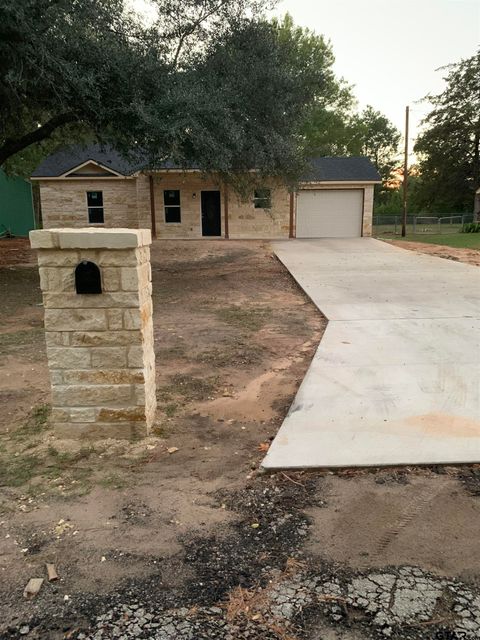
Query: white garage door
x,y
329,213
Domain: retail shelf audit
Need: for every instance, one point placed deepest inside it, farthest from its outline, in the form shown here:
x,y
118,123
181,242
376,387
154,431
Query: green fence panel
x,y
16,206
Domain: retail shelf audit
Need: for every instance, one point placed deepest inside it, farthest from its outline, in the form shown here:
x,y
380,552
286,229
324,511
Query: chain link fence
x,y
390,224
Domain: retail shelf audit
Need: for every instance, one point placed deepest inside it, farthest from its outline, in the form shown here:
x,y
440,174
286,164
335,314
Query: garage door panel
x,y
329,213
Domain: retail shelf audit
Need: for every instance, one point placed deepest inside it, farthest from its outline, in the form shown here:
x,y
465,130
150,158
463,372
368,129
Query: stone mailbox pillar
x,y
96,286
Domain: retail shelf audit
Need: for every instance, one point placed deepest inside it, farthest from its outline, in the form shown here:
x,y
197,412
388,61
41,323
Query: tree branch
x,y
11,146
195,26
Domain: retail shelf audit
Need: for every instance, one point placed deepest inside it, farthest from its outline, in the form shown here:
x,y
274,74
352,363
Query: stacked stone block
x,y
99,347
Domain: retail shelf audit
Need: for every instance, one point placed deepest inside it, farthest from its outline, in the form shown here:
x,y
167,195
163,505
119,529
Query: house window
x,y
171,202
95,207
262,198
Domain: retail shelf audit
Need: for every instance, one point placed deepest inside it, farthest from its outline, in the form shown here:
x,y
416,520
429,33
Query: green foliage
x,y
35,424
330,126
449,146
204,85
323,130
374,136
471,227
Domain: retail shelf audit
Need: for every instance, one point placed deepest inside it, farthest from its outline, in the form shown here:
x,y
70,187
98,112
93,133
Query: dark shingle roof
x,y
358,169
62,161
320,170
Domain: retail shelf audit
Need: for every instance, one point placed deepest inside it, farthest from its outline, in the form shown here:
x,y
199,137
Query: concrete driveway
x,y
396,378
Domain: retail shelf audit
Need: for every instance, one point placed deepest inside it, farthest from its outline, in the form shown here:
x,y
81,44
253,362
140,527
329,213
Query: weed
x,y
35,424
192,388
160,431
250,319
16,470
232,355
170,353
170,409
10,342
113,481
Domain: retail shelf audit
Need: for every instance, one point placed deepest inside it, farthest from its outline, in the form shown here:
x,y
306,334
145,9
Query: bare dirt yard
x,y
179,536
470,256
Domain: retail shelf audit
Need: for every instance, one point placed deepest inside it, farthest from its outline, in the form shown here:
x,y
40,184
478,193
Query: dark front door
x,y
211,214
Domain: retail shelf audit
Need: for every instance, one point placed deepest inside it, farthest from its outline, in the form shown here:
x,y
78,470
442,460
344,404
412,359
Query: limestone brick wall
x,y
368,211
64,202
245,221
142,185
190,185
99,347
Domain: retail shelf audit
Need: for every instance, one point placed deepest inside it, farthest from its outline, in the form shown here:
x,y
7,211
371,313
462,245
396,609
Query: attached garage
x,y
335,199
329,213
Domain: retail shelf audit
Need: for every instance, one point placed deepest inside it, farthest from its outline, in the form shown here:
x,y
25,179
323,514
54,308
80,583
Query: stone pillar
x,y
99,345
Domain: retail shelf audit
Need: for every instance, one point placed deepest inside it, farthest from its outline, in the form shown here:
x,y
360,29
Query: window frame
x,y
169,208
95,208
262,201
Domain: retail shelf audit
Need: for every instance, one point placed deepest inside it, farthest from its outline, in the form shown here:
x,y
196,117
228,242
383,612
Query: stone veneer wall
x,y
64,202
127,204
245,221
99,347
188,183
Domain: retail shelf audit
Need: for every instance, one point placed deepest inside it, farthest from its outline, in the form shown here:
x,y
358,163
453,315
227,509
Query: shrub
x,y
471,227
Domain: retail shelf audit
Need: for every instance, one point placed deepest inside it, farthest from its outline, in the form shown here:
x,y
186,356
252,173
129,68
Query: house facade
x,y
91,186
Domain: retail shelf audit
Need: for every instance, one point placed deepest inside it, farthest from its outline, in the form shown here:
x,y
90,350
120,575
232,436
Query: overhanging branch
x,y
11,146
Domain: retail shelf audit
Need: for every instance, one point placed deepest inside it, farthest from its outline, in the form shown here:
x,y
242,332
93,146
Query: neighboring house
x,y
16,206
96,186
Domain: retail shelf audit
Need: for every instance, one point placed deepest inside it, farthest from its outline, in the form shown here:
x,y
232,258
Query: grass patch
x,y
35,425
170,353
190,387
232,355
251,319
24,337
17,470
456,240
170,409
113,481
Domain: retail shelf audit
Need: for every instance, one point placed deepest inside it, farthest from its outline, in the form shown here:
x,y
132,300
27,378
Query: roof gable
x,y
91,169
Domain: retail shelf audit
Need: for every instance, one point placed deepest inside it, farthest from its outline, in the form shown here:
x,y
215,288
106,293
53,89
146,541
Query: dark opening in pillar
x,y
87,278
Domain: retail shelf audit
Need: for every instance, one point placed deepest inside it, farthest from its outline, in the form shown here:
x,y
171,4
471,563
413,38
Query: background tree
x,y
449,146
324,128
374,136
331,126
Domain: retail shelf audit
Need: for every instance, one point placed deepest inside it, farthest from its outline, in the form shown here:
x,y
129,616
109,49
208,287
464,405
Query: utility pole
x,y
405,175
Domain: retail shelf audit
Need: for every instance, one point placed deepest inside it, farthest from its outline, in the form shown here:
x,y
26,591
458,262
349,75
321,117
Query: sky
x,y
390,50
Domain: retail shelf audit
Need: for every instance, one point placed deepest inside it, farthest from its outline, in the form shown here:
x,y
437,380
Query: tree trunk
x,y
11,146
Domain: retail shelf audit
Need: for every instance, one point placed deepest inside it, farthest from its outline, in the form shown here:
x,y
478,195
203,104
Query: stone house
x,y
94,186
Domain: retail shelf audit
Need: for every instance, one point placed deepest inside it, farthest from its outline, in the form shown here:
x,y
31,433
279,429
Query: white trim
x,y
338,183
95,224
73,178
91,161
178,206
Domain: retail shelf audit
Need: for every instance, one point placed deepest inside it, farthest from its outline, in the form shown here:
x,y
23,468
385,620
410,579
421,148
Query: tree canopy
x,y
331,124
449,146
206,84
